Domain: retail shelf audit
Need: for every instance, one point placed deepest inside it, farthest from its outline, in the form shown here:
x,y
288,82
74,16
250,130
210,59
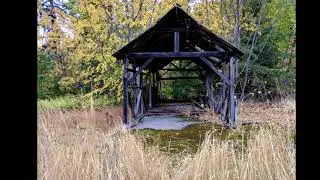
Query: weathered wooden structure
x,y
177,36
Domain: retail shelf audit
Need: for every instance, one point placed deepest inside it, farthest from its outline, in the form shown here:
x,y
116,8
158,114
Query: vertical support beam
x,y
154,94
224,88
153,79
134,92
211,99
139,94
224,109
130,94
215,99
206,84
226,99
160,89
142,97
236,111
150,91
176,41
209,93
137,90
232,98
131,104
137,109
125,91
157,87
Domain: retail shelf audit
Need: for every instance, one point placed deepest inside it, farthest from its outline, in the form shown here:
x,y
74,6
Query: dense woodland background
x,y
76,39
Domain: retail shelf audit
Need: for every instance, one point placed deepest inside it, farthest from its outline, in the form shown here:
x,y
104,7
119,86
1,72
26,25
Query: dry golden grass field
x,y
91,144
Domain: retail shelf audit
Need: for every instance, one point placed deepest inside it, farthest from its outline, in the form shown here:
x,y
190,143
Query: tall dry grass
x,y
91,144
282,113
76,146
270,155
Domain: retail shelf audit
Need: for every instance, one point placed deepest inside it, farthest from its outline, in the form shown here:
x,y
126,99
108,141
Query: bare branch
x,y
139,10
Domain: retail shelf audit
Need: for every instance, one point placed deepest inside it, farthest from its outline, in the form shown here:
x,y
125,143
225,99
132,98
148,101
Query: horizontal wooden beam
x,y
179,69
139,87
175,78
217,54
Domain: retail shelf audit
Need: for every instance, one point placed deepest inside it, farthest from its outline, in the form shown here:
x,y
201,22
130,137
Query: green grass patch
x,y
73,102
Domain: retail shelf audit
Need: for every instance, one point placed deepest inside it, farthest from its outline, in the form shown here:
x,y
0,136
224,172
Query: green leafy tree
x,y
76,39
47,81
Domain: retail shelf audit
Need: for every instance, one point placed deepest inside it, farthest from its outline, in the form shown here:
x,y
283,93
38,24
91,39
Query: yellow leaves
x,y
209,15
248,27
45,20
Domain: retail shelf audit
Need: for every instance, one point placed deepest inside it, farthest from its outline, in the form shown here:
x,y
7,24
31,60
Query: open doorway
x,y
182,81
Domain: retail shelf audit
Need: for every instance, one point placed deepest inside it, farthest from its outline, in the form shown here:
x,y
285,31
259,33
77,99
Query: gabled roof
x,y
193,36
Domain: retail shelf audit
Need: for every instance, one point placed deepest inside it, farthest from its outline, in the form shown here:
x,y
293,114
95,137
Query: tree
x,y
78,38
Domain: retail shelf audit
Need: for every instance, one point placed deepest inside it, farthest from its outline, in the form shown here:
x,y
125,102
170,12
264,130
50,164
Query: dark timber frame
x,y
177,36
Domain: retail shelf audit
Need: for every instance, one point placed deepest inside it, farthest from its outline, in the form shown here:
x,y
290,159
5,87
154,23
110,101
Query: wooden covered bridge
x,y
177,37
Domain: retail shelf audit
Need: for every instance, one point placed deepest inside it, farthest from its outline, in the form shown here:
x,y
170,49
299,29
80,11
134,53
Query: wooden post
x,y
134,93
236,112
211,99
125,91
224,108
141,90
130,94
160,89
209,94
150,91
232,99
137,108
176,41
158,86
206,84
223,93
131,104
153,79
225,98
153,97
